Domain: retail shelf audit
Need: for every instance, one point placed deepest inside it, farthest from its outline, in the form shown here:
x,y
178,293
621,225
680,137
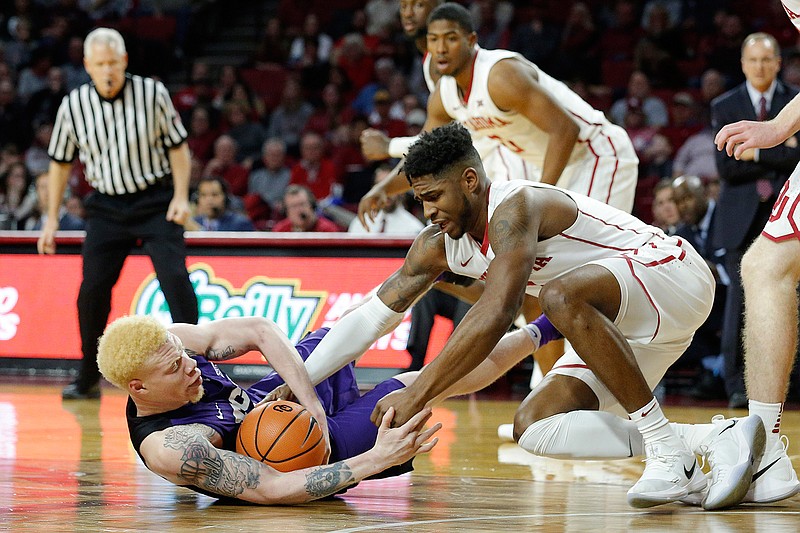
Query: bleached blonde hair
x,y
104,36
126,345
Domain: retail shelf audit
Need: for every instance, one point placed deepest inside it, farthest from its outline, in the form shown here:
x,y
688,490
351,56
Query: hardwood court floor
x,y
69,467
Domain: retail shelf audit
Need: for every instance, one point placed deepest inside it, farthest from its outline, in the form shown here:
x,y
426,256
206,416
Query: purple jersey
x,y
224,405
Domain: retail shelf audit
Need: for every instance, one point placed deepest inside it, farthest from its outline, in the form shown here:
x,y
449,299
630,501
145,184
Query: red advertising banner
x,y
38,316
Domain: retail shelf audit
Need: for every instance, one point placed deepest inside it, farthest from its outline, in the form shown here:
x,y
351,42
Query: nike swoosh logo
x,y
465,263
648,411
689,473
733,423
764,470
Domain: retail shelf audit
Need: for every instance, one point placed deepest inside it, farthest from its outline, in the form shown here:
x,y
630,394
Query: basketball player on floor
x,y
770,275
626,296
183,412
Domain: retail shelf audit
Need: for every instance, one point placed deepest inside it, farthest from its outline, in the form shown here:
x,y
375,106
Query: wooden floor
x,y
70,467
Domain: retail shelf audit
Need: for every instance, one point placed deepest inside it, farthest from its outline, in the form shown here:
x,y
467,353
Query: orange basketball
x,y
283,435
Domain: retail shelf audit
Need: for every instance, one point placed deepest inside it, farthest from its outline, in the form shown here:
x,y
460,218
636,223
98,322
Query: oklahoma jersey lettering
x,y
599,232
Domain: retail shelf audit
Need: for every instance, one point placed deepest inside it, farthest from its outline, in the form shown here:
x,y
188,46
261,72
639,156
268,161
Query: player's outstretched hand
x,y
370,204
374,144
737,138
400,444
402,402
281,392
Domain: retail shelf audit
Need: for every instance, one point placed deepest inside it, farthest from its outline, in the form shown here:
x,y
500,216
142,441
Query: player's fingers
x,y
428,446
428,433
386,419
417,422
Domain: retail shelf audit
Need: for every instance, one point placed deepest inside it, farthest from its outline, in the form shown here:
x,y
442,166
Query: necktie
x,y
763,187
762,109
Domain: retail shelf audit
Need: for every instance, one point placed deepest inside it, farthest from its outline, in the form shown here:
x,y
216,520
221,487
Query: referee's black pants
x,y
116,225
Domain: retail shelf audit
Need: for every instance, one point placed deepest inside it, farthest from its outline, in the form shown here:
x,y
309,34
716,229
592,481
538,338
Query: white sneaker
x,y
732,451
774,478
506,432
670,474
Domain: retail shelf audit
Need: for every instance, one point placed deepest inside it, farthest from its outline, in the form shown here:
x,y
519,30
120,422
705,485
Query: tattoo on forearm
x,y
328,479
216,354
219,471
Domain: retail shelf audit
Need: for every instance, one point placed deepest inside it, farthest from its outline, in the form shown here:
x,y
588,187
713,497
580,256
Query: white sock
x,y
583,435
654,426
770,414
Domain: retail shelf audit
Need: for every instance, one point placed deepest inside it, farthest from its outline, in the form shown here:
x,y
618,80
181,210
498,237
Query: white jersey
x,y
500,163
603,163
599,232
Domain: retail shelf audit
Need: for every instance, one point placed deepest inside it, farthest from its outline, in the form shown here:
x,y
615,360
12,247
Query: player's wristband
x,y
542,331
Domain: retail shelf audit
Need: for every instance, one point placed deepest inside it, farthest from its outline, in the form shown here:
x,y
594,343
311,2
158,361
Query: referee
x,y
131,142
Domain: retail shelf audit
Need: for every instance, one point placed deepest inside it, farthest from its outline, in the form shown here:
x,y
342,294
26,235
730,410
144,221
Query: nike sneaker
x,y
670,474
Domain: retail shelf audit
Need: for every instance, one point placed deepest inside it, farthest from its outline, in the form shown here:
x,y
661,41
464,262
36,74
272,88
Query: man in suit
x,y
750,184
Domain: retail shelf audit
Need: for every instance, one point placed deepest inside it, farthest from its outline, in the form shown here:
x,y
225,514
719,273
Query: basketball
x,y
282,435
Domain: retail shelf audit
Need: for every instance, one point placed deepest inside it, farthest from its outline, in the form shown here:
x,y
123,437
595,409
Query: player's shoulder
x,y
428,245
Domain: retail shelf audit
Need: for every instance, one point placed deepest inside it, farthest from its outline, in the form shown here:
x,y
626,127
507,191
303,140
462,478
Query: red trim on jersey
x,y
485,242
594,170
597,244
646,293
471,77
574,114
576,365
508,170
616,167
637,232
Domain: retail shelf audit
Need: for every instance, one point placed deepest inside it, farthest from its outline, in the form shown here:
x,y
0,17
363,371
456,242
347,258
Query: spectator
x,y
314,171
492,19
14,124
224,164
578,53
665,212
66,220
74,73
354,61
380,118
273,48
392,219
17,52
537,40
201,134
290,117
332,114
653,107
661,47
311,30
43,104
684,119
697,157
33,78
381,15
269,182
248,134
364,102
200,90
17,201
301,212
213,211
36,159
697,220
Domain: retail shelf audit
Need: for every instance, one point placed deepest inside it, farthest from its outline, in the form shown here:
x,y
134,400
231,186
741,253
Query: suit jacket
x,y
739,201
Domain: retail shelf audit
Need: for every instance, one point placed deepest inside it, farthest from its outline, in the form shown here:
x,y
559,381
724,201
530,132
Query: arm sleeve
x,y
350,337
398,147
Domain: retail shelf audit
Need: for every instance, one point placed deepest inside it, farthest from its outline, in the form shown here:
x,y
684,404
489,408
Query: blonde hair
x,y
126,345
104,36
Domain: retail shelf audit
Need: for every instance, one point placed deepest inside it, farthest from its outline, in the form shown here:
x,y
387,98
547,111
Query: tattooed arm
x,y
185,455
513,234
231,337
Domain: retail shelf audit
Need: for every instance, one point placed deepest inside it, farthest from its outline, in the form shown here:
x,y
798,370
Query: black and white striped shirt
x,y
123,143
